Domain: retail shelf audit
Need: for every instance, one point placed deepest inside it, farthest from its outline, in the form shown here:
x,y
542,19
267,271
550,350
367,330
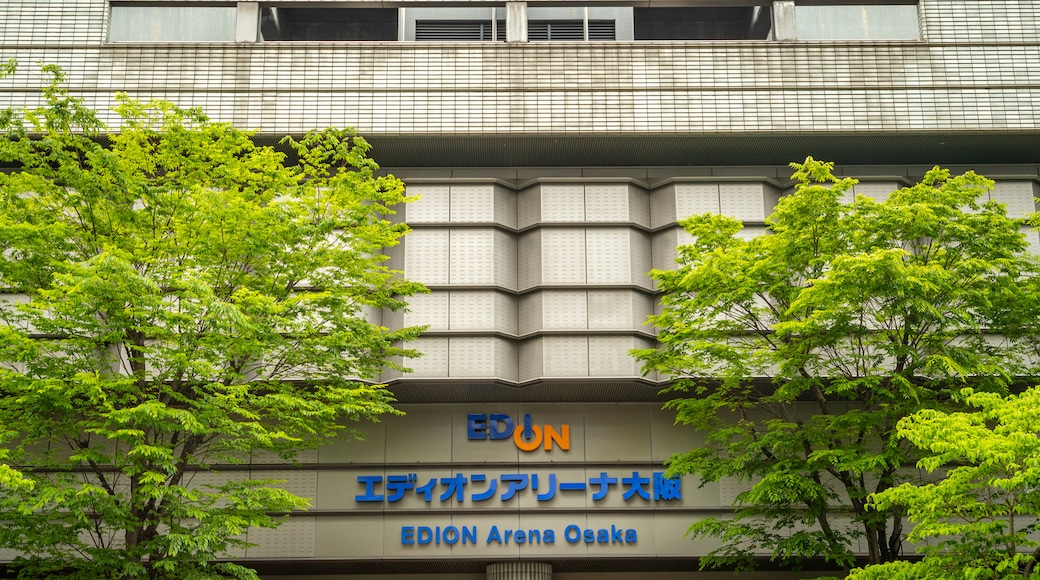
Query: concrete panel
x,y
432,205
337,489
562,203
617,433
1019,196
473,203
506,359
471,356
351,536
876,190
426,256
563,256
505,256
293,539
428,310
663,250
347,450
529,207
607,202
532,359
530,312
667,438
744,201
471,262
640,258
472,310
662,206
301,482
566,356
638,206
609,256
529,259
564,309
505,207
420,437
505,312
670,540
611,309
608,357
434,359
696,198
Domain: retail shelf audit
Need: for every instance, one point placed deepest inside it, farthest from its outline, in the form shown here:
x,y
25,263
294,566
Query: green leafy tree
x,y
980,519
177,299
798,352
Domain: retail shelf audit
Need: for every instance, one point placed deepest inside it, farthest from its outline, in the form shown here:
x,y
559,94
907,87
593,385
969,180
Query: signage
x,y
528,437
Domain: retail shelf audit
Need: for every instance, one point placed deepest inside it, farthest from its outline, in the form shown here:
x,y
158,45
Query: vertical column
x,y
247,22
785,25
516,21
519,571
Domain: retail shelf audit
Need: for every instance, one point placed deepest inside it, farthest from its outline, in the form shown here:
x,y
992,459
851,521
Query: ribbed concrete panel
x,y
619,309
472,356
609,251
530,312
473,203
432,205
473,310
563,256
529,207
426,256
1019,196
563,310
506,207
532,360
640,258
519,571
505,259
566,356
695,198
607,203
471,262
975,21
434,362
507,359
560,203
426,310
608,355
1033,239
747,201
877,190
529,259
303,483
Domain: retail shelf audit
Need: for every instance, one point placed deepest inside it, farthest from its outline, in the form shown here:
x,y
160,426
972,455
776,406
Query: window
x,y
328,24
708,23
172,23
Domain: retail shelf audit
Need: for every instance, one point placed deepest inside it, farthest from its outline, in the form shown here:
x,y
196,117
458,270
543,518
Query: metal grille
x,y
457,30
569,30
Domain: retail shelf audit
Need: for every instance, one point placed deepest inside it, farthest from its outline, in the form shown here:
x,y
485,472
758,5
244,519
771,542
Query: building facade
x,y
555,145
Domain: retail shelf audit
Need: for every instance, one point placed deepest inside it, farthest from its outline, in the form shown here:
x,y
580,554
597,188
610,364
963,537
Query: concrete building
x,y
555,144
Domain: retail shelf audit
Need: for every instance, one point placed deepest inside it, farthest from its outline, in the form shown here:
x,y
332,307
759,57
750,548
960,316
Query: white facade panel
x,y
609,256
471,262
432,205
696,198
563,256
426,256
1019,196
562,203
607,203
472,203
566,356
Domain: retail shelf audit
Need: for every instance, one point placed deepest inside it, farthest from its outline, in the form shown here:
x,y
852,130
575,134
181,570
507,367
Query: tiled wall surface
x,y
978,68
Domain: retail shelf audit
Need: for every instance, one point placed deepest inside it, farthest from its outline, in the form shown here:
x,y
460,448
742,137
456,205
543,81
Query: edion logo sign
x,y
527,437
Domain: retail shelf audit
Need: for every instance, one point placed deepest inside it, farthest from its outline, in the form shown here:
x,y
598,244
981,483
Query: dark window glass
x,y
309,24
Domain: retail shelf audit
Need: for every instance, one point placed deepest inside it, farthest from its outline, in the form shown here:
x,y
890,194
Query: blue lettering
x,y
549,537
451,535
500,420
476,426
630,536
572,534
425,535
407,535
494,536
615,535
469,535
589,536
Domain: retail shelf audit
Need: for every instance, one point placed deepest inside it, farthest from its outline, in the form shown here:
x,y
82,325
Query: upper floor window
x,y
702,23
327,24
